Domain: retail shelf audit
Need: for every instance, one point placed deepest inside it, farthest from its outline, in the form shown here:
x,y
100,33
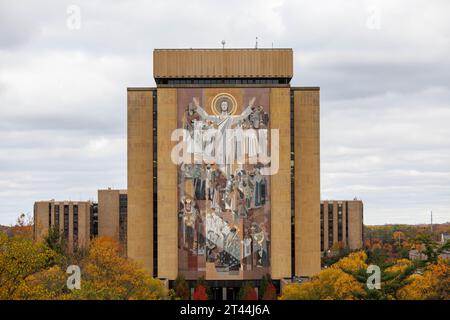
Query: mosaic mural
x,y
224,200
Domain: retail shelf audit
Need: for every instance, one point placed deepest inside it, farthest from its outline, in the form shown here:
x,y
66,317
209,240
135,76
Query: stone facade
x,y
341,223
73,218
295,230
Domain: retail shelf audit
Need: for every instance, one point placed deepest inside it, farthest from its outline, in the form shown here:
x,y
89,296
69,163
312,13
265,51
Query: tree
x,y
353,262
55,241
108,275
267,290
202,285
337,247
200,292
20,258
23,227
398,236
270,293
247,292
335,282
434,284
48,284
429,247
377,256
329,284
330,259
432,250
265,280
181,288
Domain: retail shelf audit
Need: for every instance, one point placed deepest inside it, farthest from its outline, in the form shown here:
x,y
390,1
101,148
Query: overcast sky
x,y
383,68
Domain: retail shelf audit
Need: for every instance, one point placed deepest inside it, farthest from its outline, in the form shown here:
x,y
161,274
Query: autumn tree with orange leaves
x,y
332,283
432,284
20,259
108,275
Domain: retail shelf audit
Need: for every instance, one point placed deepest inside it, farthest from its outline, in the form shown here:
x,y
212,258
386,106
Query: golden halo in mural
x,y
218,100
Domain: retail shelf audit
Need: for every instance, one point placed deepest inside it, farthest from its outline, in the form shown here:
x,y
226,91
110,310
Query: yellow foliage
x,y
20,258
397,235
48,284
399,266
353,262
434,283
331,283
107,275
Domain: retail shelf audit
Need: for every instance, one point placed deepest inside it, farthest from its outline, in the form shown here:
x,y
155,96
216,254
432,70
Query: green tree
x,y
393,277
55,241
181,288
265,280
247,292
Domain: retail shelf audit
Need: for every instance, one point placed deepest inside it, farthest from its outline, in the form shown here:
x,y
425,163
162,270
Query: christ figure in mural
x,y
224,121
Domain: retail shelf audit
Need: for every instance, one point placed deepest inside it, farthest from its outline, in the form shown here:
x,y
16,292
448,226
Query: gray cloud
x,y
384,92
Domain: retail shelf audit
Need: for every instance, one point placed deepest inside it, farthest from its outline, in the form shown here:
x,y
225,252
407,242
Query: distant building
x,y
80,221
76,221
417,255
112,214
444,238
341,221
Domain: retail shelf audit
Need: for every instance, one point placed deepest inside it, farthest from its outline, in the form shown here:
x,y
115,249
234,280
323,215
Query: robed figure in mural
x,y
224,121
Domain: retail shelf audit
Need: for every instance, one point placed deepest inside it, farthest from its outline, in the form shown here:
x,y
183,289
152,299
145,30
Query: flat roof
x,y
223,63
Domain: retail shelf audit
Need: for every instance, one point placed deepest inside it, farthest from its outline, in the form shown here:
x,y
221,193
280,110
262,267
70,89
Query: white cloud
x,y
384,92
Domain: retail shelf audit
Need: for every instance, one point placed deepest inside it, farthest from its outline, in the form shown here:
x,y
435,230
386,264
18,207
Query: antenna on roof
x,y
431,221
223,44
256,44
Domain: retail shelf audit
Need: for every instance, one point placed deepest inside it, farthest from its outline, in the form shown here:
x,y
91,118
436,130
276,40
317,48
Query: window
x,y
330,225
321,228
346,223
49,216
340,222
66,222
123,219
57,217
292,149
75,226
93,220
155,183
221,81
